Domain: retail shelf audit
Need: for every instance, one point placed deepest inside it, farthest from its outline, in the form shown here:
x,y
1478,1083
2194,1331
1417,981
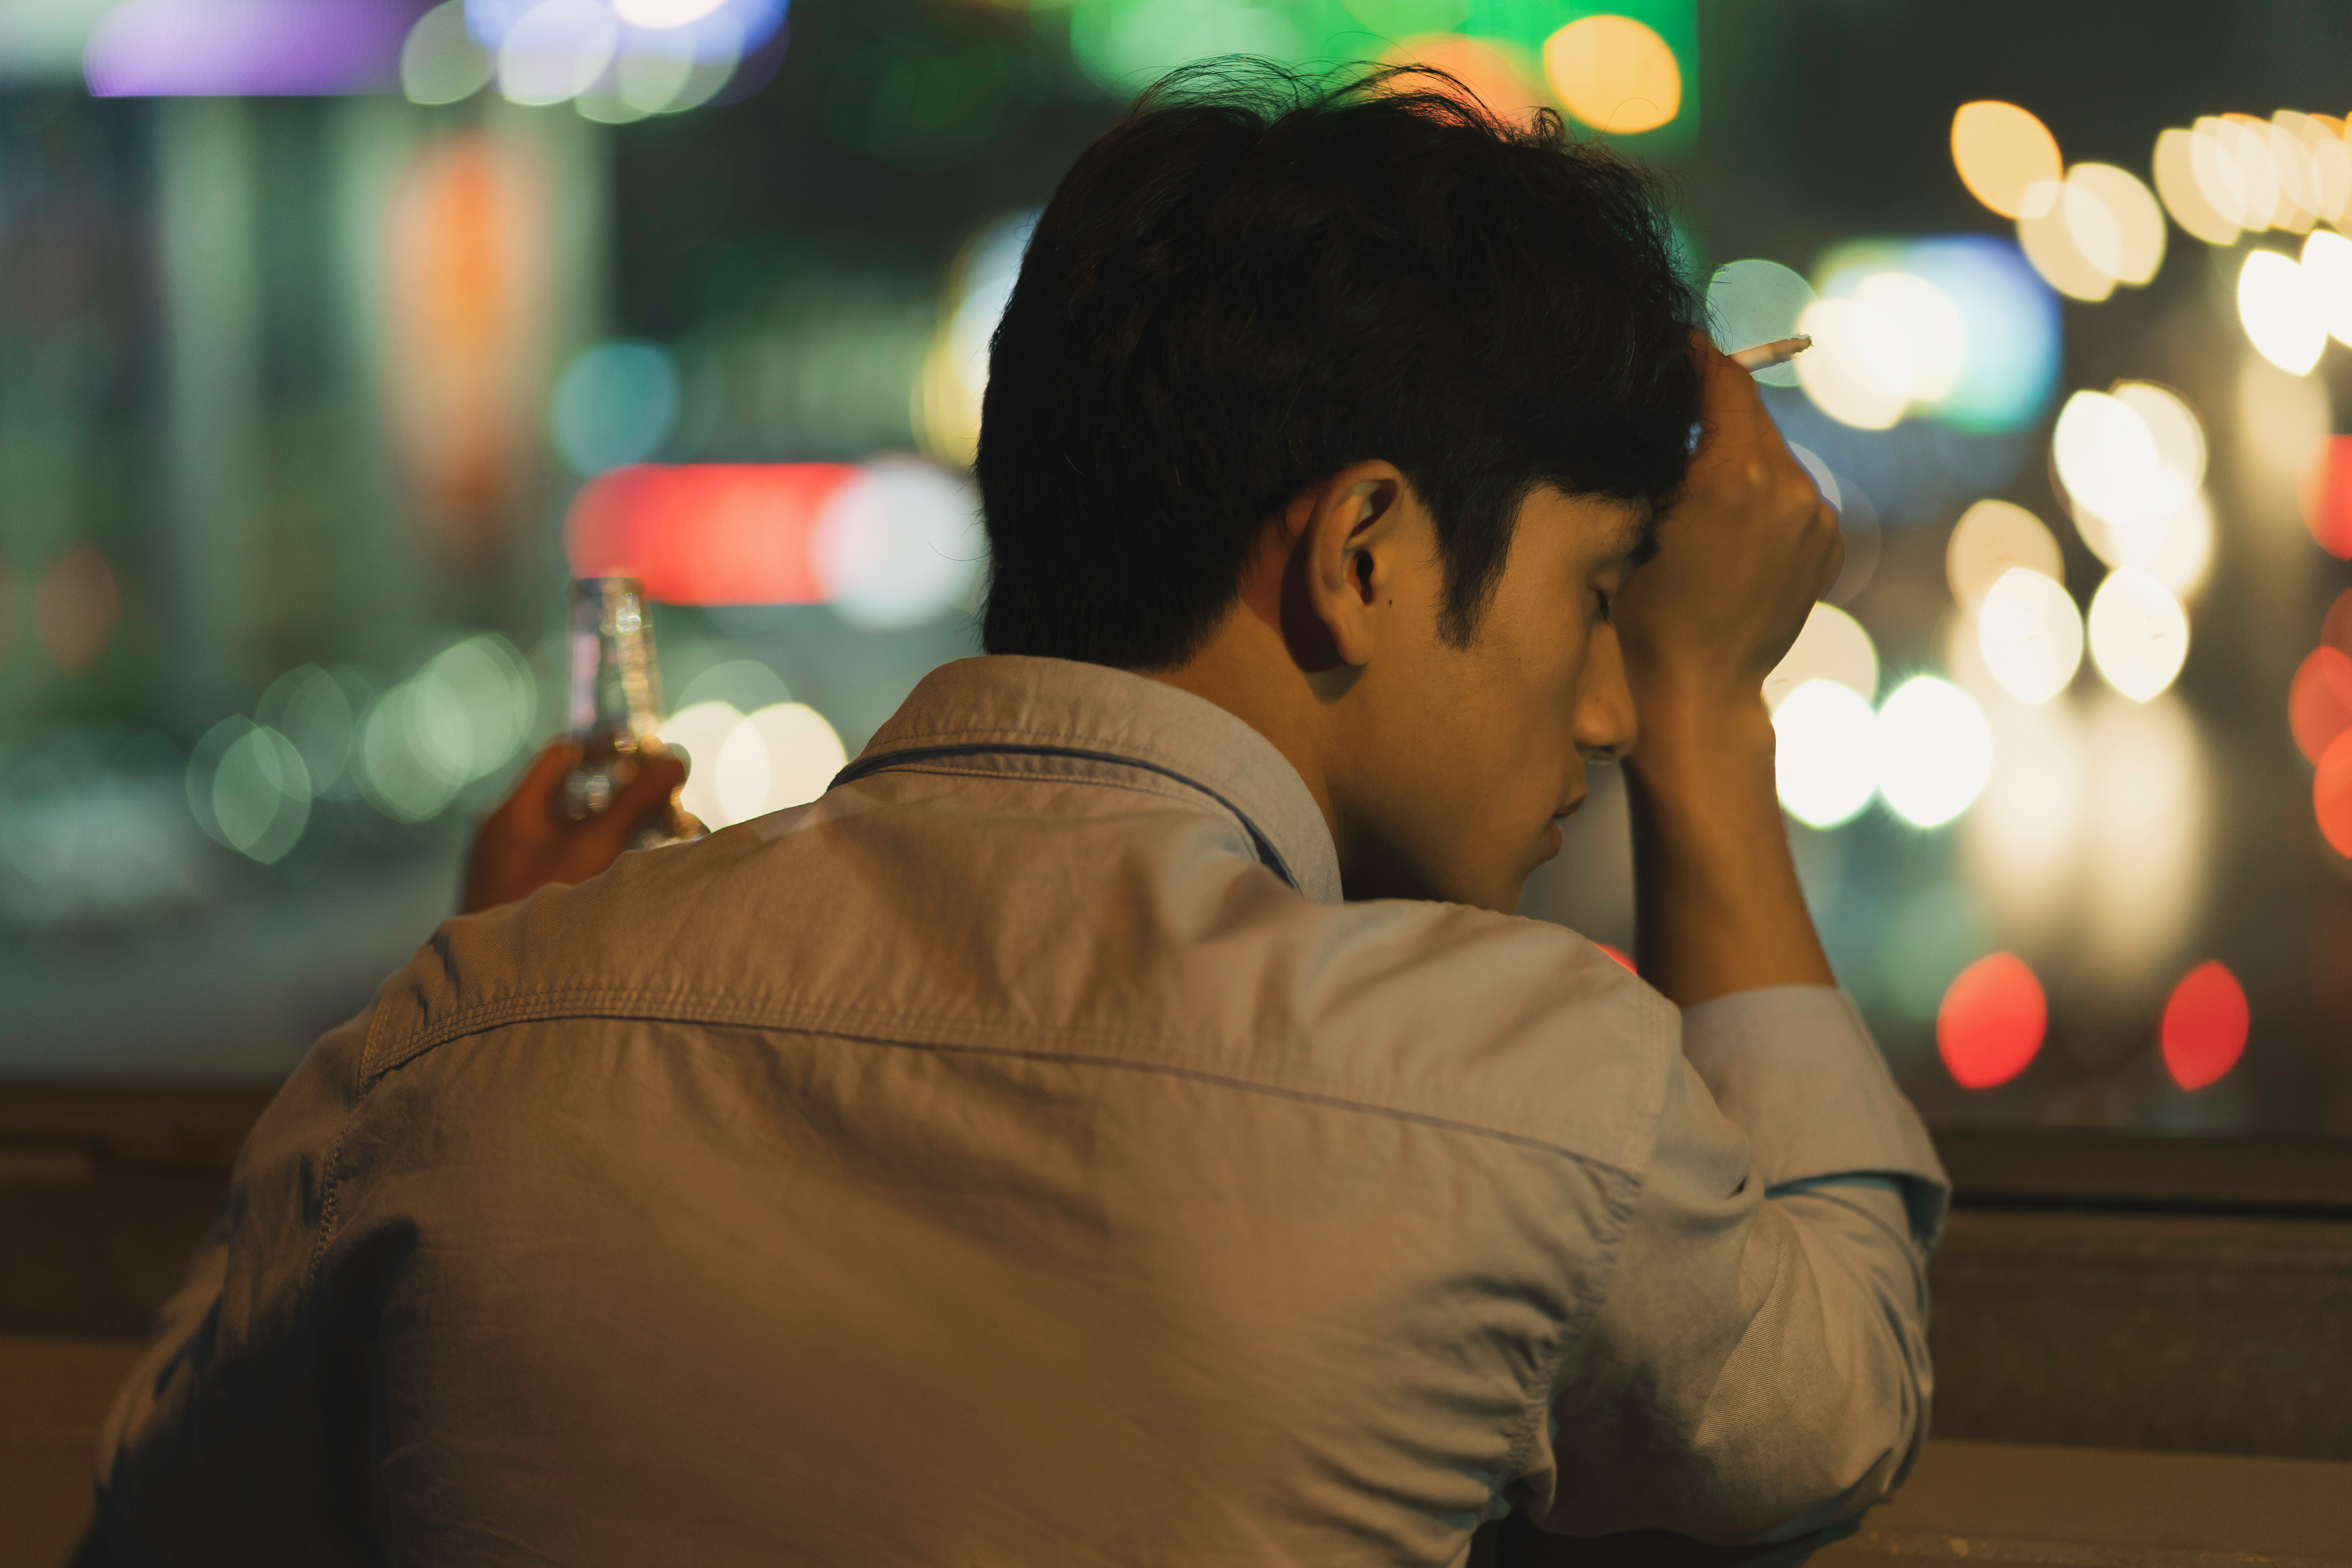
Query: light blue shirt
x,y
1021,1156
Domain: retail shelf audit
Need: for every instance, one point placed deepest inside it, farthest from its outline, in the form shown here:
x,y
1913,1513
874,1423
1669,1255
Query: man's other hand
x,y
1744,549
529,841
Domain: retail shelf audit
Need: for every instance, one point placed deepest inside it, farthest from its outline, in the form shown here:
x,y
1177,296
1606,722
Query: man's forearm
x,y
1718,908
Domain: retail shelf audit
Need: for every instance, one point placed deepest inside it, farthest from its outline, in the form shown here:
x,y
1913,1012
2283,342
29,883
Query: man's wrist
x,y
1688,743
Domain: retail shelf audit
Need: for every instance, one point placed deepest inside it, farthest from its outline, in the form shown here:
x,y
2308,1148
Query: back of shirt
x,y
994,1163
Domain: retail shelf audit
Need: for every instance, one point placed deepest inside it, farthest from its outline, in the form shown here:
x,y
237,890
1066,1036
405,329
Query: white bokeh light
x,y
778,757
1930,322
1859,371
2138,633
2282,312
2030,635
1934,751
556,51
898,545
1825,749
1993,537
1833,646
2328,273
701,730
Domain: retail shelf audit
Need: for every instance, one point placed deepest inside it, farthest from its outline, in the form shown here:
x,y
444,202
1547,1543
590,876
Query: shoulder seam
x,y
844,1024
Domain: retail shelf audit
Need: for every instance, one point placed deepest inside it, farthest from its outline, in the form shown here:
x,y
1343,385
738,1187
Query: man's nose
x,y
1606,724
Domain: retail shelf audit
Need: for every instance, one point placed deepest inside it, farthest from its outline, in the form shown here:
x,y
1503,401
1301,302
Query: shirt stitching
x,y
689,1008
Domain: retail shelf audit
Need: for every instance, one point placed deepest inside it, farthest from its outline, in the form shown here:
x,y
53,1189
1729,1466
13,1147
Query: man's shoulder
x,y
1156,959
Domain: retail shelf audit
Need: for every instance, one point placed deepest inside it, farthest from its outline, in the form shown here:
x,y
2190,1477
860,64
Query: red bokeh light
x,y
2336,632
705,533
2319,701
2326,494
1619,956
2331,794
2205,1024
1992,1022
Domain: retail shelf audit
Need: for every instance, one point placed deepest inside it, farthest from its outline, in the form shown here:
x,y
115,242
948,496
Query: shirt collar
x,y
1016,699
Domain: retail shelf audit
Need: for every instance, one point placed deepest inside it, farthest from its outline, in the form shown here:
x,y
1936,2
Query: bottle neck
x,y
616,684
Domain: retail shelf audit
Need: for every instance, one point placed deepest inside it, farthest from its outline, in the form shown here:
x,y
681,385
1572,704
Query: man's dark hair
x,y
1257,278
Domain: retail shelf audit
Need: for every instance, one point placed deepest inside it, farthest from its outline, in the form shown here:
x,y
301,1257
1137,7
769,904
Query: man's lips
x,y
1568,810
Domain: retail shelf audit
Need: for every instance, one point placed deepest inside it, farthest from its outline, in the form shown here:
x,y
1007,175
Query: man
x,y
1122,1121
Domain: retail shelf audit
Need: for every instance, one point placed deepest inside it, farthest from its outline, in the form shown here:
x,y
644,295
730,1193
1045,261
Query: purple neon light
x,y
224,49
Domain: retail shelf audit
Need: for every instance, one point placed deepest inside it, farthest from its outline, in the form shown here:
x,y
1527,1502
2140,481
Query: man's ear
x,y
1348,541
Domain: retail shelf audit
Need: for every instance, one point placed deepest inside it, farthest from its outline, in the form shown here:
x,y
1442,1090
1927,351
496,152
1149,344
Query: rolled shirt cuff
x,y
1795,1068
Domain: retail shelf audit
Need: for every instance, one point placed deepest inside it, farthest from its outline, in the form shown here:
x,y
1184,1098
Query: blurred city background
x,y
336,334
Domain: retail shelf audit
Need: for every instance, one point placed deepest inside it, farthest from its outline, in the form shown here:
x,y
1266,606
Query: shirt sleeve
x,y
1758,1369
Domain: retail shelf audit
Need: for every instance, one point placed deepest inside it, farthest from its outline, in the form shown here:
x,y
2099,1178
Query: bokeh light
x,y
441,62
614,406
556,49
899,544
2188,167
313,709
2144,830
778,757
2204,1027
1826,753
2336,629
2319,700
2111,465
1502,78
2331,794
1934,751
74,608
2136,219
2072,238
1756,302
2002,151
2138,633
1614,74
2030,636
464,715
248,789
1991,1023
2328,273
2007,340
2324,492
2023,839
1929,323
1833,646
705,533
1859,371
955,372
2281,311
1992,539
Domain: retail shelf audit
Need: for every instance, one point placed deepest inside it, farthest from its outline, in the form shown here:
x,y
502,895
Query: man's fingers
x,y
542,782
651,786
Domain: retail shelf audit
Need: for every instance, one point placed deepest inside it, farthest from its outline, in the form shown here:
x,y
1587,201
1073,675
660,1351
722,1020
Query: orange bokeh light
x,y
1614,74
2326,495
2319,702
2002,151
705,533
74,608
2205,1024
2331,794
1992,1022
1618,957
1505,87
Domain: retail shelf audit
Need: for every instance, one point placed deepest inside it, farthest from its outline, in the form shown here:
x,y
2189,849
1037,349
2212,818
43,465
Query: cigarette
x,y
1764,356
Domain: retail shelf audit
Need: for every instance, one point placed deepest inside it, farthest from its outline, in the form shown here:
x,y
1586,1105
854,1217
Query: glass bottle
x,y
616,711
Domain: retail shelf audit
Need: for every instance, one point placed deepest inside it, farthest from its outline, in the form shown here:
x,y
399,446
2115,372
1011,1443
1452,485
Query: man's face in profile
x,y
1464,760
